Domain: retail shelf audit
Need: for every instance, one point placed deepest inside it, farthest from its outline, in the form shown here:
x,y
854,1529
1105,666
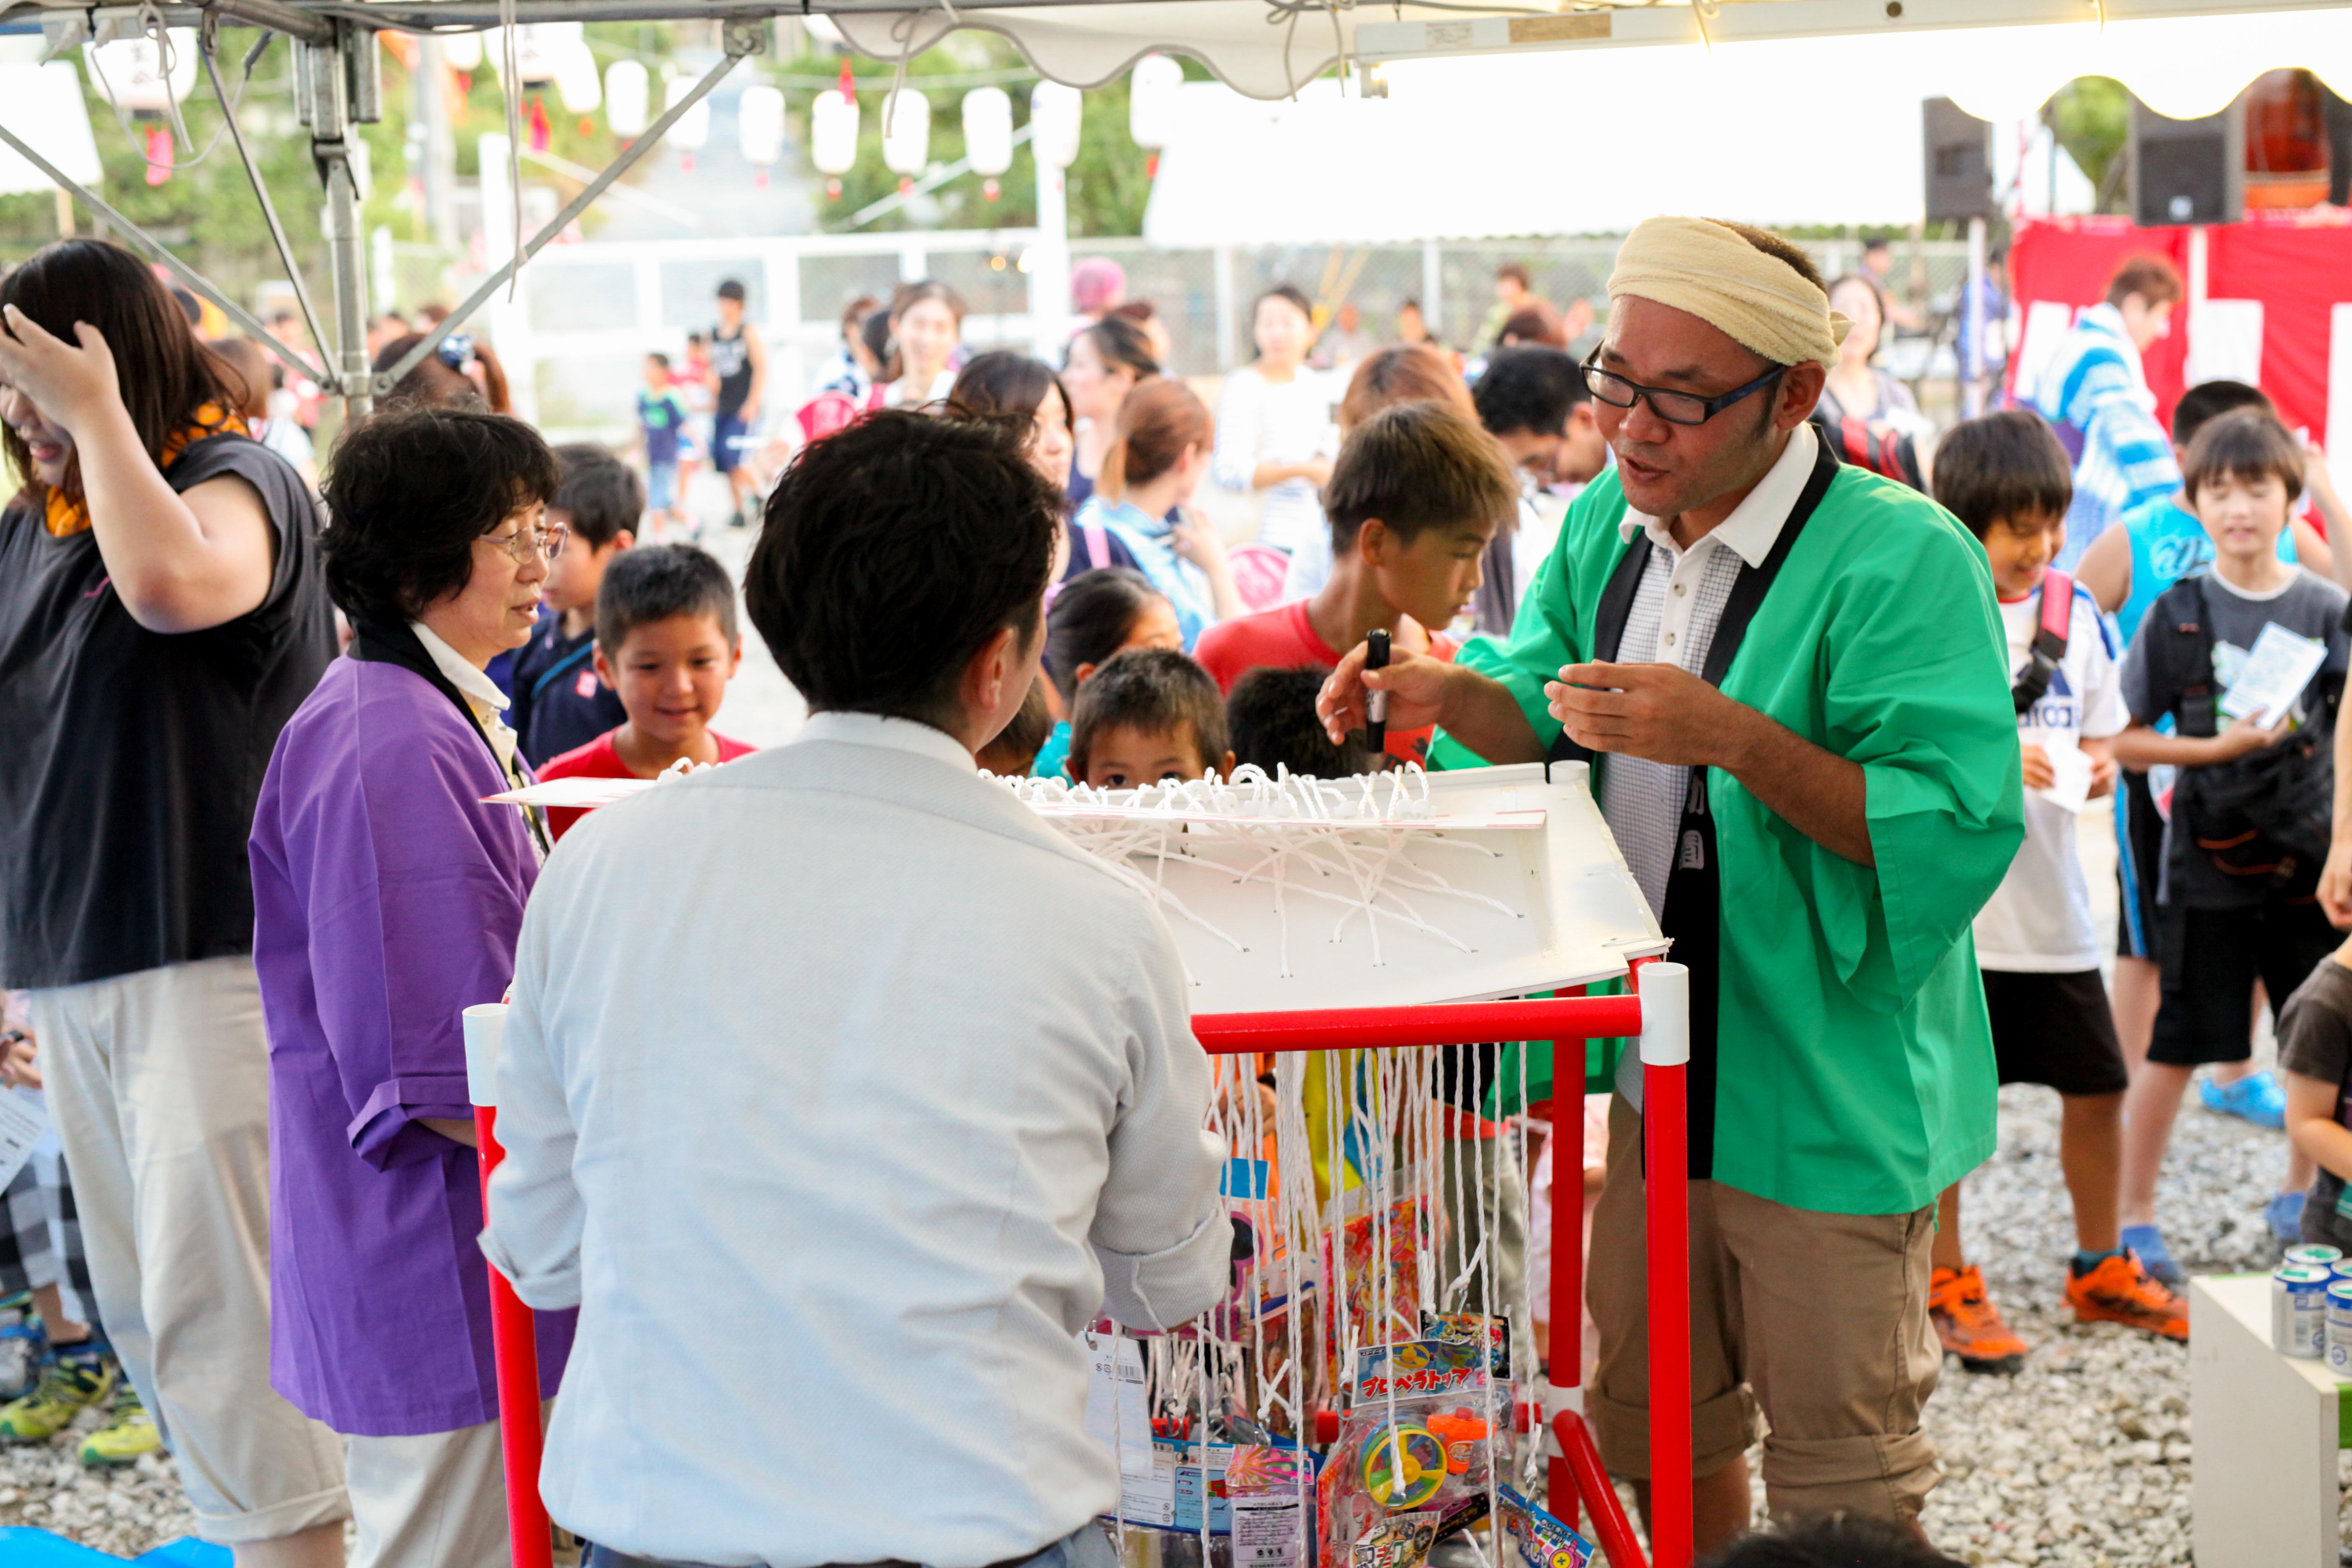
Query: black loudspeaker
x,y
1960,170
2188,171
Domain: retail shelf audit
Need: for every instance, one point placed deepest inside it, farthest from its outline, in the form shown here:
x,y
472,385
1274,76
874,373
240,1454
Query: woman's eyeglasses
x,y
1674,408
545,540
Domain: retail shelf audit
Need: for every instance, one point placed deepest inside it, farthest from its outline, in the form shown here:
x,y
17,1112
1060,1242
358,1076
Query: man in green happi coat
x,y
1792,679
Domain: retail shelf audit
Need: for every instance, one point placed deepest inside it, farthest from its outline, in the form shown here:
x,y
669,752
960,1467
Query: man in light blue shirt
x,y
840,1093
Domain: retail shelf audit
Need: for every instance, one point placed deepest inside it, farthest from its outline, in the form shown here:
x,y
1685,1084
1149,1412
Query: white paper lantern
x,y
1054,112
128,72
693,128
906,130
1151,96
759,123
627,91
462,51
539,47
988,130
576,79
833,132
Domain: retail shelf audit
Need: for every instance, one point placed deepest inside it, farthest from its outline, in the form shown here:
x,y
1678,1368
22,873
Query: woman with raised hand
x,y
162,612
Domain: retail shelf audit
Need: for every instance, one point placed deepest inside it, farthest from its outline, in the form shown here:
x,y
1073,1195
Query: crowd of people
x,y
1845,728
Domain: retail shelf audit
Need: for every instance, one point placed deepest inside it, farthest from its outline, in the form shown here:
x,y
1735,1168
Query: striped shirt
x,y
2094,394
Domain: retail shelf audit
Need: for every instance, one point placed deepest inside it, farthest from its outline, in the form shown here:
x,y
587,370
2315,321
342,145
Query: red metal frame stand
x,y
1659,1014
514,1338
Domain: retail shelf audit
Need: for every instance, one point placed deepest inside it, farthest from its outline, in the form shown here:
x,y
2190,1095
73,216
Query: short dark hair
x,y
1779,250
1537,322
1005,384
2210,400
2247,445
1529,388
2004,465
1270,716
1516,269
892,549
1117,340
1832,1541
166,378
1154,691
1416,466
659,358
1014,748
733,289
658,582
409,490
600,494
434,381
1092,617
1289,294
2151,277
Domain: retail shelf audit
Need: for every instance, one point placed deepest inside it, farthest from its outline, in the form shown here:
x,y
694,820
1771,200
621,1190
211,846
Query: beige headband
x,y
1696,265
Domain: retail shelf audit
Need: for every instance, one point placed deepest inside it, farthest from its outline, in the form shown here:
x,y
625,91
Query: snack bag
x,y
1538,1540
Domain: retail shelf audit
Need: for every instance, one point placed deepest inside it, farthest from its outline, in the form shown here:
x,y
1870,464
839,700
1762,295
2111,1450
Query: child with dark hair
x,y
1270,719
661,425
1832,1541
723,978
1417,495
1149,714
2249,827
559,703
666,648
2155,545
1098,614
1015,751
2005,476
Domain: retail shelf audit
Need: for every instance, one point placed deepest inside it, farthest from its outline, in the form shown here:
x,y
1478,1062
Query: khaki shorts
x,y
1820,1318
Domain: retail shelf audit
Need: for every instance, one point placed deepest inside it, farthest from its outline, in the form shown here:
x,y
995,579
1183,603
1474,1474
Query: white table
x,y
2266,1429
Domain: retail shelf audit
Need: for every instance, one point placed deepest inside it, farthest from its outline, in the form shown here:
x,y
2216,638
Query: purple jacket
x,y
386,898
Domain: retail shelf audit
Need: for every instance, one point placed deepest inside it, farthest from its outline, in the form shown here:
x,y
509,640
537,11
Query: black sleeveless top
x,y
129,759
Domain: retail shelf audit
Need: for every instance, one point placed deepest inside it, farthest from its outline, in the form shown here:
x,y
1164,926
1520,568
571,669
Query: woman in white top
x,y
1274,425
926,326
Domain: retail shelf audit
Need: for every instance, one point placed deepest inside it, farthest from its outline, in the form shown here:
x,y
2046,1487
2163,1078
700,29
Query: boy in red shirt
x,y
1415,497
665,641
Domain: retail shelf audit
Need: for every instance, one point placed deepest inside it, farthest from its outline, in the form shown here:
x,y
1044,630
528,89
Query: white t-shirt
x,y
2039,921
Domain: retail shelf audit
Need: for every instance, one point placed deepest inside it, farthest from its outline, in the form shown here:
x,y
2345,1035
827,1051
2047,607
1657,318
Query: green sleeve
x,y
1917,694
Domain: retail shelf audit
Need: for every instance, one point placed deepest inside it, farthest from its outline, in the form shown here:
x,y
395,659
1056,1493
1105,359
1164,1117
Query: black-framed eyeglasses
x,y
1674,408
544,539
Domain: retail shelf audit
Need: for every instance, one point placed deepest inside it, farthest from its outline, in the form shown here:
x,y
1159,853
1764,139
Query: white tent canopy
x,y
44,107
1578,144
2185,58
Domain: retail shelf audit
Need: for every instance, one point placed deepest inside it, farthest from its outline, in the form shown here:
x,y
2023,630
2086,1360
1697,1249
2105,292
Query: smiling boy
x,y
1415,498
667,643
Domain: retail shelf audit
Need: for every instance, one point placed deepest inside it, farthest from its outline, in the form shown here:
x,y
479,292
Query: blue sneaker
x,y
2285,1213
2258,1097
2155,1257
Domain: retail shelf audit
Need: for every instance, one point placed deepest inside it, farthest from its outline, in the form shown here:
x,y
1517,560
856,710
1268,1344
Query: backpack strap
x,y
1097,545
2048,648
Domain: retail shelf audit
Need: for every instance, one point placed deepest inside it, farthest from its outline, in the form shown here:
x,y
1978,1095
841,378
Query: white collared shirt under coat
x,y
840,1093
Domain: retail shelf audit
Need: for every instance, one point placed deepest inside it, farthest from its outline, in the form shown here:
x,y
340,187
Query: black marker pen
x,y
1376,703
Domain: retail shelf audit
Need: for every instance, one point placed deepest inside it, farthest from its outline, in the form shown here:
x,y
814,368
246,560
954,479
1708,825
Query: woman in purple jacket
x,y
387,898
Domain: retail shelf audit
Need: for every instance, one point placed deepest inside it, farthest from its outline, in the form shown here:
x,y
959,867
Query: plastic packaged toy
x,y
1538,1540
1419,1438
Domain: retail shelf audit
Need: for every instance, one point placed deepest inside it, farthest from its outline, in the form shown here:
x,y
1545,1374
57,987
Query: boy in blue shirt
x,y
661,424
558,701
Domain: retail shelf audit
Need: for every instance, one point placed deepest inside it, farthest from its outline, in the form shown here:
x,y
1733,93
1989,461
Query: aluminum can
x,y
2314,1253
2340,1328
2299,1310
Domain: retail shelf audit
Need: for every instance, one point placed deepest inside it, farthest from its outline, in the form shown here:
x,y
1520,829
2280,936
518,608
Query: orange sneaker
x,y
2120,1291
1970,1324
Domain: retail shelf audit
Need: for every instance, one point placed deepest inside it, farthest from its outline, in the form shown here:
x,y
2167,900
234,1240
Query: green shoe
x,y
71,1380
128,1431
